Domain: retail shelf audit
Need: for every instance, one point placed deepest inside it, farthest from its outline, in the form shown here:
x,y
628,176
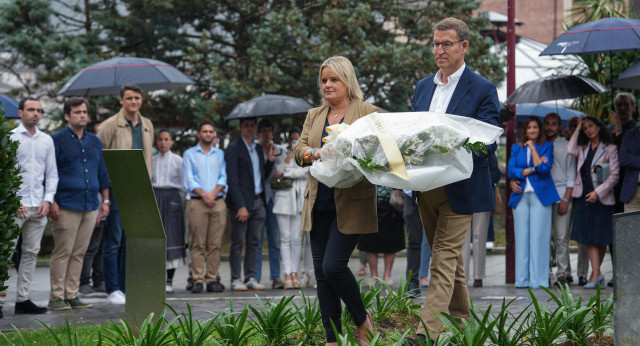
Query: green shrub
x,y
10,202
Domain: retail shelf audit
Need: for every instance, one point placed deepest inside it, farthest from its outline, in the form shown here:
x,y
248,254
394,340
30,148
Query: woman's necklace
x,y
336,114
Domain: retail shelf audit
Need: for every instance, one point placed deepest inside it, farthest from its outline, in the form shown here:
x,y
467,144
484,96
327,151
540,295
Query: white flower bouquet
x,y
417,151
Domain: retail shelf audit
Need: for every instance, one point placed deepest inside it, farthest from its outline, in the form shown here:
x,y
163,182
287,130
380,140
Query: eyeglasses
x,y
446,45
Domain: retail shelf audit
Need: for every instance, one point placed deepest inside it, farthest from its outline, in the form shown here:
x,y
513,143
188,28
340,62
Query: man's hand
x,y
242,215
22,212
515,187
592,197
615,120
54,212
103,212
563,207
209,199
273,152
43,209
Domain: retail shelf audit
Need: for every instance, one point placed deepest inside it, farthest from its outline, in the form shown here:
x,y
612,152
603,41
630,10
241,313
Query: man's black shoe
x,y
27,307
418,340
582,281
610,283
214,286
197,287
570,279
413,291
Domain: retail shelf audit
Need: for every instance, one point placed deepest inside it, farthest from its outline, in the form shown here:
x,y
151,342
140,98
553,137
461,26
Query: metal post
x,y
511,138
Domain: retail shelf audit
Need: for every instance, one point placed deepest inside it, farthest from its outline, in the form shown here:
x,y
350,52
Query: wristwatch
x,y
106,201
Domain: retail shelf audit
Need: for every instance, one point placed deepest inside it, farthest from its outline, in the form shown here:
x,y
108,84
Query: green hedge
x,y
9,201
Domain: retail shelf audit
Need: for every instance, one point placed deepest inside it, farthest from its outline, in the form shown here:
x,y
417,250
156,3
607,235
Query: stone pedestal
x,y
626,275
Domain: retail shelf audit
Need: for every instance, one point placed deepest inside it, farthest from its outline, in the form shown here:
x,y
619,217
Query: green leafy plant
x,y
189,332
602,313
275,321
10,202
548,325
234,329
510,330
151,333
470,333
308,317
578,329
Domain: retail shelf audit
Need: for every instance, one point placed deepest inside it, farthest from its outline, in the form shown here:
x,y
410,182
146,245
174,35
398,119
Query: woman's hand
x,y
317,154
592,197
515,187
531,144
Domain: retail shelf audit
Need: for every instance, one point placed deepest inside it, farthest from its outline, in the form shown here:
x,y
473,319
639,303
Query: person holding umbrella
x,y
594,197
530,164
336,217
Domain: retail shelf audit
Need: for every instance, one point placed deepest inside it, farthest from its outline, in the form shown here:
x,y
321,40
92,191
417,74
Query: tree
x,y
239,49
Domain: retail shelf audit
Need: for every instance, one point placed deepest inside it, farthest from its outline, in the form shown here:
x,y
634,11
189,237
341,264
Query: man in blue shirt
x,y
205,177
76,208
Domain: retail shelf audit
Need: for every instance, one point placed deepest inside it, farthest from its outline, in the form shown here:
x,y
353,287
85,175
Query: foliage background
x,y
235,50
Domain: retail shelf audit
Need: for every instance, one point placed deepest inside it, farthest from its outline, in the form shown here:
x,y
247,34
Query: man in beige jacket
x,y
127,129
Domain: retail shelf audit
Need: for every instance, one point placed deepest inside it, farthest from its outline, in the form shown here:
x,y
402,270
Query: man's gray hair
x,y
461,28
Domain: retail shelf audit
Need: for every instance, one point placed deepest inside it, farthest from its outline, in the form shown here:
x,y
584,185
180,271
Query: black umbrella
x,y
630,78
269,105
106,77
556,87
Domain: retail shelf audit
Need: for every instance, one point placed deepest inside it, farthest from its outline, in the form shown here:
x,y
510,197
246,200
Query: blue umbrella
x,y
525,110
10,107
605,35
106,77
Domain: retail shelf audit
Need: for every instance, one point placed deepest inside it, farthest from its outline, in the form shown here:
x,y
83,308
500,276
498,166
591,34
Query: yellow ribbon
x,y
389,146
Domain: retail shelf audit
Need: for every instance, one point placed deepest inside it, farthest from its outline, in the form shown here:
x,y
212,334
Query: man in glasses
x,y
446,211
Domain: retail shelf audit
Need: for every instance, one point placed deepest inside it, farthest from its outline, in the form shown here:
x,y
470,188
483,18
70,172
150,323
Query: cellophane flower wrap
x,y
417,151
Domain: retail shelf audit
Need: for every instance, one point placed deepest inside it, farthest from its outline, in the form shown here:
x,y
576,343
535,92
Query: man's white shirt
x,y
38,170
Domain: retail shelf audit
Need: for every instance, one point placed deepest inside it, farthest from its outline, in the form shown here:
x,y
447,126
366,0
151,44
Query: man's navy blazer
x,y
240,175
477,98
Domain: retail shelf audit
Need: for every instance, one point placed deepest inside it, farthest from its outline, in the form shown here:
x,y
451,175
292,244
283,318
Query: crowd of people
x,y
266,191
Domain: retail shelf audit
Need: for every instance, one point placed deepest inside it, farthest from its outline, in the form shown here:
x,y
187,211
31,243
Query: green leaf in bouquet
x,y
475,147
368,164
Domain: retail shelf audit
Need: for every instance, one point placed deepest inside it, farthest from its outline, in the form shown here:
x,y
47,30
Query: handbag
x,y
281,183
498,197
396,200
602,172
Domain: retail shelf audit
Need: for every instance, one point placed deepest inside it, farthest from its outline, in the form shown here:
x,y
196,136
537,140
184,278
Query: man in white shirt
x,y
37,160
563,173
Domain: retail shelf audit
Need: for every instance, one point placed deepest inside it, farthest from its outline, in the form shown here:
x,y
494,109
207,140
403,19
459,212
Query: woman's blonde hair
x,y
343,68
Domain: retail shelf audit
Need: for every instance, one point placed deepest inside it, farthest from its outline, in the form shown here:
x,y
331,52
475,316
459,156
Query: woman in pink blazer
x,y
592,222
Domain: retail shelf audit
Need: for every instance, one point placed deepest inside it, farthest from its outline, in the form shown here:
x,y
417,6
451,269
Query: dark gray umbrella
x,y
630,78
556,87
10,107
269,105
106,77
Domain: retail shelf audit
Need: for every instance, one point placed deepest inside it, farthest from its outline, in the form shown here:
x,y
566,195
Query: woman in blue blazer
x,y
530,165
